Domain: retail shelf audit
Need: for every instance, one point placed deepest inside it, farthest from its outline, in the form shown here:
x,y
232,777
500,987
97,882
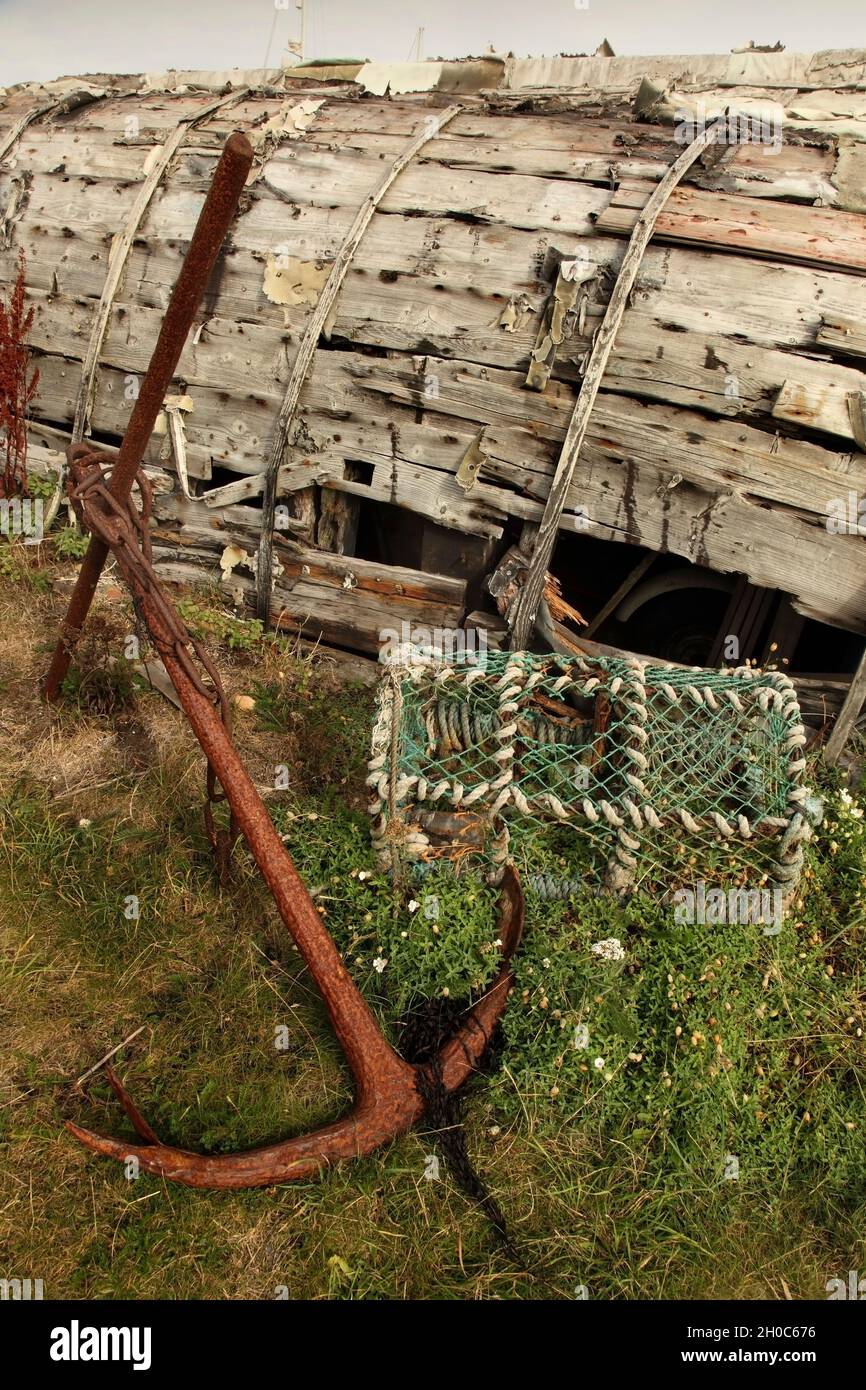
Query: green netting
x,y
655,775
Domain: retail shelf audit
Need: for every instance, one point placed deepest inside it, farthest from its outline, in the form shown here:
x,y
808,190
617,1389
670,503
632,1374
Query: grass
x,y
611,1176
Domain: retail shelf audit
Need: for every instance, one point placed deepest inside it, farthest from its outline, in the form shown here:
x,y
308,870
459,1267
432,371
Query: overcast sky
x,y
50,38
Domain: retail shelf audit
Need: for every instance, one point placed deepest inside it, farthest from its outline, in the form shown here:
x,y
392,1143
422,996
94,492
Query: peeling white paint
x,y
471,463
400,77
171,403
518,309
289,125
233,556
289,280
153,158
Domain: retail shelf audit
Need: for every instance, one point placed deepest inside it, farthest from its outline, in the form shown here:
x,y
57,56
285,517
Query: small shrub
x,y
16,389
215,625
100,681
69,543
43,485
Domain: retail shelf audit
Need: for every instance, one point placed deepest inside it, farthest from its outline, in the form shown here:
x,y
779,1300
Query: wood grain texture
x,y
720,431
778,230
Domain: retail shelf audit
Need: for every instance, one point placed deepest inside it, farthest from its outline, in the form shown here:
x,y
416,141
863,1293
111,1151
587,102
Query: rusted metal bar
x,y
214,221
389,1100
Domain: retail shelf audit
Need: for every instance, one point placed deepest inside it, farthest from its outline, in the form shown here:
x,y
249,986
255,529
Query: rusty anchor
x,y
389,1090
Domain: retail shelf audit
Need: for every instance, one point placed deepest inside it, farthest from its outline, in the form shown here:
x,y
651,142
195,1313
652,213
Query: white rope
x,y
454,728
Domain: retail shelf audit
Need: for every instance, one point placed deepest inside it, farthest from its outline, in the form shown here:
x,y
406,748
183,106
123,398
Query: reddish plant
x,y
16,391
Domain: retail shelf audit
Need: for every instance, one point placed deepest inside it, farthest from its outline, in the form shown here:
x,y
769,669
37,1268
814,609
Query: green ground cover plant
x,y
678,1112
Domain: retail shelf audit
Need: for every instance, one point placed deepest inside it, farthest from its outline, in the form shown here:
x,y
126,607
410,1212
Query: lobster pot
x,y
651,777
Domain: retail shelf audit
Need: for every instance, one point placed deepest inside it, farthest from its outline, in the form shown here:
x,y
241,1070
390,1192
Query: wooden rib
x,y
18,129
848,714
634,576
120,249
313,332
528,600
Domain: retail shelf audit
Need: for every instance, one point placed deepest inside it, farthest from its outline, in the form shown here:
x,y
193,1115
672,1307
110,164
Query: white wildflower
x,y
599,1064
609,949
413,906
379,964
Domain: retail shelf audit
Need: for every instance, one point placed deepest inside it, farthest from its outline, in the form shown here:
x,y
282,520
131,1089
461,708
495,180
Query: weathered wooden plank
x,y
68,152
826,237
55,403
581,150
226,354
341,599
577,150
10,137
339,513
412,464
714,373
819,399
230,426
309,176
848,715
768,304
843,333
115,142
349,616
327,178
414,271
793,472
723,455
415,281
425,295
